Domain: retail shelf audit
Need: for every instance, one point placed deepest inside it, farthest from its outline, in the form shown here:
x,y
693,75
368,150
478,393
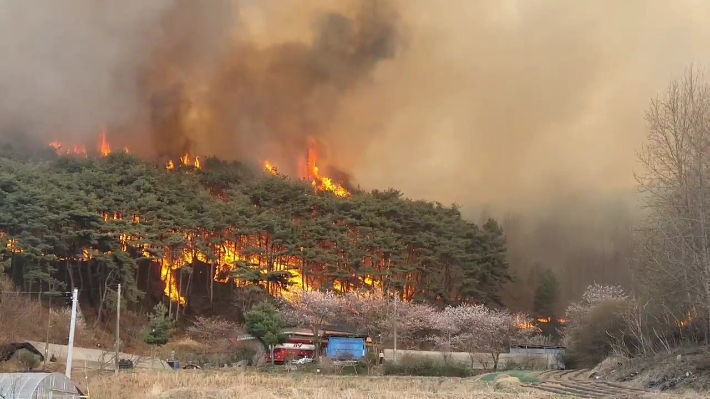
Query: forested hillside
x,y
203,236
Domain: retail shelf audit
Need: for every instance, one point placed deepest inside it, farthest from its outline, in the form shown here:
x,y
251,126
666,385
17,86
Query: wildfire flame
x,y
524,325
104,147
185,160
689,317
227,254
312,174
270,168
72,150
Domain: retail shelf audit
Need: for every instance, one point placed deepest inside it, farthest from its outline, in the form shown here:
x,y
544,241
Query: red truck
x,y
291,350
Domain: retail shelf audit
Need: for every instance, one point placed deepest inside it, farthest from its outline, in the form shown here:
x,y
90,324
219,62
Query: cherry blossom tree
x,y
314,309
414,323
369,313
594,295
446,327
373,314
476,329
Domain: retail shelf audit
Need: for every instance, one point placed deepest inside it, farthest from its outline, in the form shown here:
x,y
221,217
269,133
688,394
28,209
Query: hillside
x,y
215,236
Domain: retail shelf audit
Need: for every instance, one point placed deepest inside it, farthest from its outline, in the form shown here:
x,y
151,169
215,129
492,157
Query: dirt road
x,y
576,384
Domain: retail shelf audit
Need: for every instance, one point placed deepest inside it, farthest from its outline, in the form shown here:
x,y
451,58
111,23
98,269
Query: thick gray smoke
x,y
527,106
70,67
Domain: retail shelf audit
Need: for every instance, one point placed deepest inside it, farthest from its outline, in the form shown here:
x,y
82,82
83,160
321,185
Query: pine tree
x,y
546,294
264,323
159,328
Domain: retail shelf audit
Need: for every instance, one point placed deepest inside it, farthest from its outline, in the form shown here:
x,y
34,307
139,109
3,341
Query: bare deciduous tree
x,y
673,267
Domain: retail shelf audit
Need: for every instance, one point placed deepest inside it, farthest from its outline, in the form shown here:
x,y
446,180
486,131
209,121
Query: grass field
x,y
230,384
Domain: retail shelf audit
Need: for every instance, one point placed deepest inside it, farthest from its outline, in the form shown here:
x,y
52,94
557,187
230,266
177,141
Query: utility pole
x,y
46,342
72,327
394,356
118,324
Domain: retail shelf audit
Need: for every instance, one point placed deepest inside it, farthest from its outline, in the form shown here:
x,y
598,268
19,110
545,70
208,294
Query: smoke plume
x,y
532,106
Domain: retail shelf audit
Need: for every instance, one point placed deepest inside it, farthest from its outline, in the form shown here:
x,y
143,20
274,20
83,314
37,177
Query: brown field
x,y
231,384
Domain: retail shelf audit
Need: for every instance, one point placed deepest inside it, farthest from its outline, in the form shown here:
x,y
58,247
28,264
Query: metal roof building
x,y
37,386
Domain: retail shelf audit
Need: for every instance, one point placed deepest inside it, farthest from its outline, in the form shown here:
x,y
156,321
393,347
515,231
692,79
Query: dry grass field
x,y
230,384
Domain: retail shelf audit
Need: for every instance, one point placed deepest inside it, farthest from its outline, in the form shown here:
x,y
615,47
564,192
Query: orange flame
x,y
227,254
104,146
319,182
228,257
525,325
688,318
185,160
270,168
13,246
312,174
72,150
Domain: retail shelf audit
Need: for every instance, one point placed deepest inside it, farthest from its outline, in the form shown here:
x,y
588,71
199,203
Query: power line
x,y
36,292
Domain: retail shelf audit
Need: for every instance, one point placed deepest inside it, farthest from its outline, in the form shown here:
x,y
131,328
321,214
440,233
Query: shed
x,y
346,348
38,386
542,350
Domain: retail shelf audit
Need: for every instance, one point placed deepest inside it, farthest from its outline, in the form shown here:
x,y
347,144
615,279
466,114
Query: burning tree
x,y
222,228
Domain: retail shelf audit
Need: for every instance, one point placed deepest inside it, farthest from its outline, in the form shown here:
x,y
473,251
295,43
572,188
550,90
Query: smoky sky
x,y
529,106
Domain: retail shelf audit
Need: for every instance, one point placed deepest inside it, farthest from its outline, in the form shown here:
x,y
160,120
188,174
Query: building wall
x,y
481,361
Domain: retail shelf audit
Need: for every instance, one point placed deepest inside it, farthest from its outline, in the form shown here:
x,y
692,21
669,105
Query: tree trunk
x,y
168,281
102,300
316,342
189,291
70,272
495,357
212,276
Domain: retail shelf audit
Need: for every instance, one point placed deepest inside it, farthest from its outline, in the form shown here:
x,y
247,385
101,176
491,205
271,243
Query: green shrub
x,y
511,364
27,360
425,366
592,339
